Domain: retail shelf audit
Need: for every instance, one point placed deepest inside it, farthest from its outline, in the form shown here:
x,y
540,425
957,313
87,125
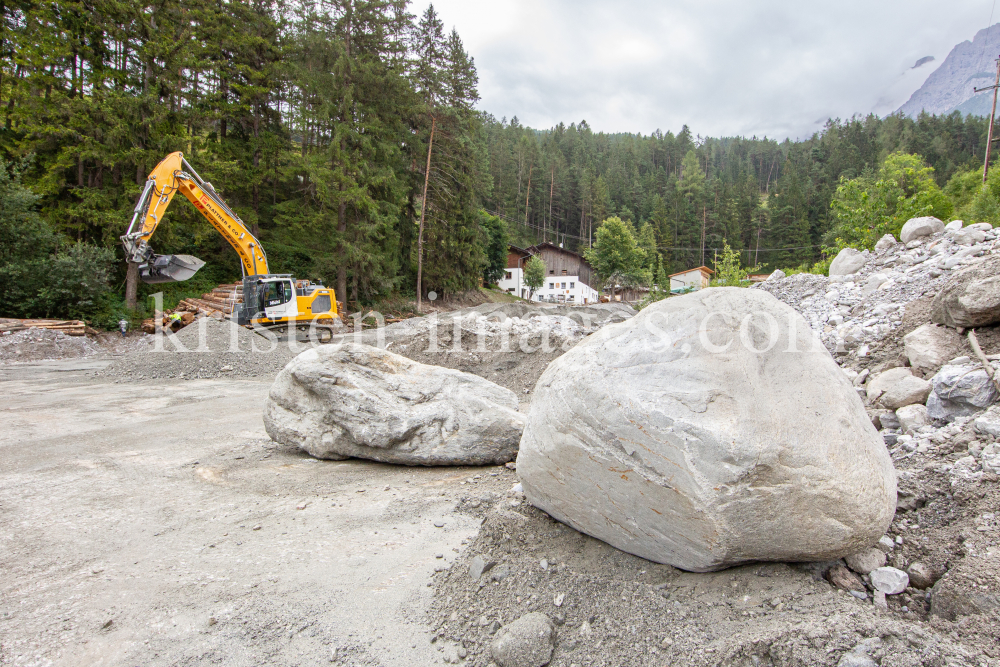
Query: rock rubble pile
x,y
854,311
40,344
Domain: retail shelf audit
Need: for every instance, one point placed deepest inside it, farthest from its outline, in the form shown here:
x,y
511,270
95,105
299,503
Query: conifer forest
x,y
324,123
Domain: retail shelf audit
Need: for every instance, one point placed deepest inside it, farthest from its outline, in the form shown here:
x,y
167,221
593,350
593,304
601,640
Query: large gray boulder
x,y
930,346
847,262
971,298
348,400
960,390
711,429
918,227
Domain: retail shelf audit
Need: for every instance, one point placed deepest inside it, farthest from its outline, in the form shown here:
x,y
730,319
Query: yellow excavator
x,y
271,300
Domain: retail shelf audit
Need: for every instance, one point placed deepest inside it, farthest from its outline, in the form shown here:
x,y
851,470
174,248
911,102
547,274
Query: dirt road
x,y
157,524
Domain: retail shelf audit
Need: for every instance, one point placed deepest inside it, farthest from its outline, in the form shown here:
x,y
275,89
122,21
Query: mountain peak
x,y
950,86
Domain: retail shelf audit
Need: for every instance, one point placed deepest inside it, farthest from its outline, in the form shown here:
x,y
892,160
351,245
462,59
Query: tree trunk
x,y
342,230
423,211
527,194
132,286
552,187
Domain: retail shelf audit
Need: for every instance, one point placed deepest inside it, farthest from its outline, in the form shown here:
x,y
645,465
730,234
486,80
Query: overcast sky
x,y
778,68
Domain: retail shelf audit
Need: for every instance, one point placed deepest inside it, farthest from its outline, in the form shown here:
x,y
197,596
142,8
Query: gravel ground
x,y
208,348
615,609
156,524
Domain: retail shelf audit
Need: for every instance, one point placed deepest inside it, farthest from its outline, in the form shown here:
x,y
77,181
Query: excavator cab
x,y
277,297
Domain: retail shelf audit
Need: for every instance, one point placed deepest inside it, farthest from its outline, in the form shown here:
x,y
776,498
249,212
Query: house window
x,y
552,272
508,275
562,286
552,285
572,285
564,272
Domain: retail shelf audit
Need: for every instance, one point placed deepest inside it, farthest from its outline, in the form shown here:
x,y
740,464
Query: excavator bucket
x,y
169,268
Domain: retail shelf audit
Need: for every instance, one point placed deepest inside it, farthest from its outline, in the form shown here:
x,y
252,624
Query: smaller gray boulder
x,y
865,561
930,346
908,391
960,391
886,242
953,225
988,423
971,297
777,274
916,228
527,642
847,262
889,580
351,400
912,417
881,383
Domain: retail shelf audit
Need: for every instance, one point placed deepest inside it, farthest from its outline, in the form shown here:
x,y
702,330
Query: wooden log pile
x,y
218,304
68,327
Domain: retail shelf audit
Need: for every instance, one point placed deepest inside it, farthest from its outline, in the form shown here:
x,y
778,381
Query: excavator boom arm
x,y
174,175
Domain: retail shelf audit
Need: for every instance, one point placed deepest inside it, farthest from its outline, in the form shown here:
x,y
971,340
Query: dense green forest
x,y
770,199
324,123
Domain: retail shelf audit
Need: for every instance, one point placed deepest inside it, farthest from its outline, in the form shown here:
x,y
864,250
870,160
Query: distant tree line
x,y
769,200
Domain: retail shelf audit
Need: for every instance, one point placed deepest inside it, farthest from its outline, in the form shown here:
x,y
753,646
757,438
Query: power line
x,y
662,247
800,247
986,40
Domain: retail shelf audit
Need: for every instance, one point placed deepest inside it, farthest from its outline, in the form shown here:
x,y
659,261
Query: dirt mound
x,y
612,608
43,344
510,344
207,349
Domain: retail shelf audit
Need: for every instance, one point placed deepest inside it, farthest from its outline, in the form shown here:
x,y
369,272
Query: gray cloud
x,y
722,67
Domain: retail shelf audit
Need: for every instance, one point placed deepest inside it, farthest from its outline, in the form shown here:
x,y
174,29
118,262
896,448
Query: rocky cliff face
x,y
970,64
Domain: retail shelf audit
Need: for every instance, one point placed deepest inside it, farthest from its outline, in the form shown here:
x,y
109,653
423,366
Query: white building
x,y
564,270
566,289
513,280
692,279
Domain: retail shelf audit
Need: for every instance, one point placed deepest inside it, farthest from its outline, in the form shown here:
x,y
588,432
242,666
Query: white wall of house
x,y
513,282
565,289
689,279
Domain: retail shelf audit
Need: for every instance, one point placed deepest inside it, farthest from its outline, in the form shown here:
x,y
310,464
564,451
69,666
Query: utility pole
x,y
989,134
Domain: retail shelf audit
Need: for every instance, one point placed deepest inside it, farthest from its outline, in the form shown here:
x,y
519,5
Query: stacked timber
x,y
219,303
68,327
